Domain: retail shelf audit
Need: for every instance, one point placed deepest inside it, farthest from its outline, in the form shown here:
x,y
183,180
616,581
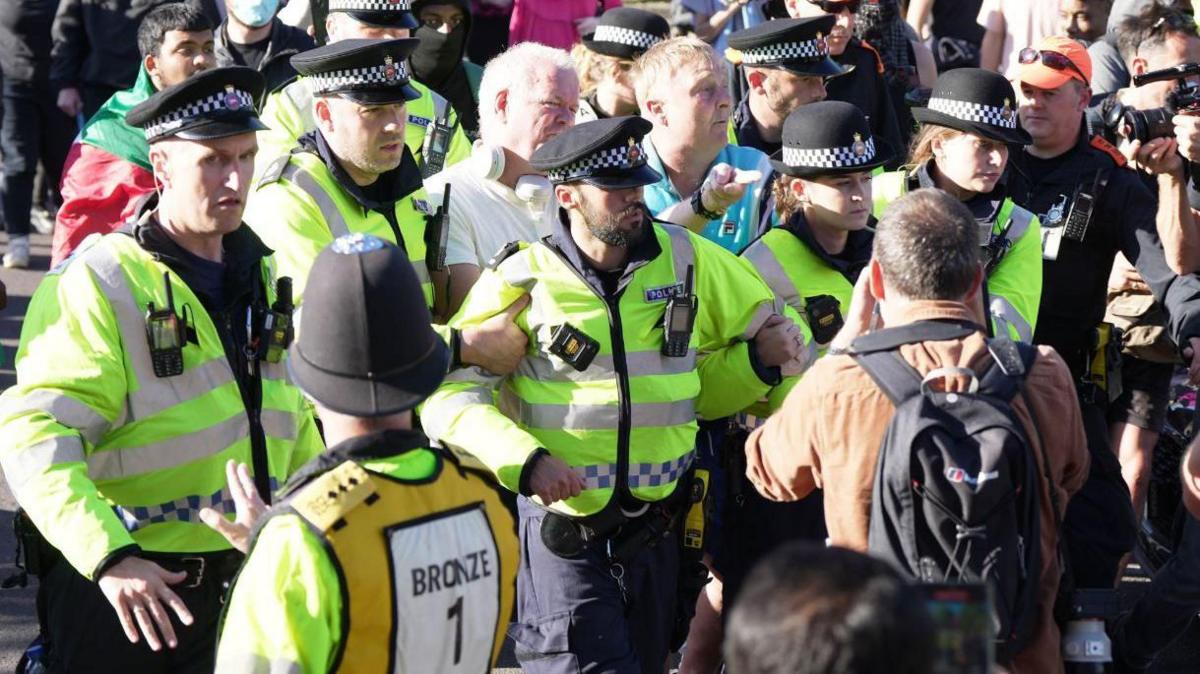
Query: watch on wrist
x,y
698,208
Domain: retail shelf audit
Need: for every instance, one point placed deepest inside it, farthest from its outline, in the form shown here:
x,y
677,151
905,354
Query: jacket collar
x,y
641,254
375,445
381,195
853,258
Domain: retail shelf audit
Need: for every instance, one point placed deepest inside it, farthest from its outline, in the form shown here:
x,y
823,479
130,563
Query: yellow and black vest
x,y
427,566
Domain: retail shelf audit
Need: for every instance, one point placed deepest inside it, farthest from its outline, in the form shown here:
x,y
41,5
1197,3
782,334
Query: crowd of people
x,y
760,336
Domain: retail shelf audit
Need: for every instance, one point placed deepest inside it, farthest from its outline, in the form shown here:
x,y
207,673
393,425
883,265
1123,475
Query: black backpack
x,y
956,492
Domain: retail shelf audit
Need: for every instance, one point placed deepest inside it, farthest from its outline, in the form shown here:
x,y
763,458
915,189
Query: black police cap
x,y
371,72
627,32
366,346
208,105
606,153
976,101
828,138
381,13
797,45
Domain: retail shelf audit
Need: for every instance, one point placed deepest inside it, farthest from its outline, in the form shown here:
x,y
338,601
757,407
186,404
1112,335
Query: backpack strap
x,y
889,339
1011,362
898,380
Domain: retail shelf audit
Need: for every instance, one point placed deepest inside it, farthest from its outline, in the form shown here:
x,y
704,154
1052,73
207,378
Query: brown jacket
x,y
828,431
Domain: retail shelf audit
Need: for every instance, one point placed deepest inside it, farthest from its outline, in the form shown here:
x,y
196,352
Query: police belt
x,y
208,570
627,526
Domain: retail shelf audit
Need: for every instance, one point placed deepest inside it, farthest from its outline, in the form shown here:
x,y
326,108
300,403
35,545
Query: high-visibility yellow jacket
x,y
298,208
288,115
396,563
1014,284
629,418
104,455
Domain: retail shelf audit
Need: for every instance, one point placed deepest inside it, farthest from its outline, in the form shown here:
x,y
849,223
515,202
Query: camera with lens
x,y
1143,125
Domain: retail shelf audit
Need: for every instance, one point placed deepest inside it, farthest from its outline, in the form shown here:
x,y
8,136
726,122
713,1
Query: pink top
x,y
552,22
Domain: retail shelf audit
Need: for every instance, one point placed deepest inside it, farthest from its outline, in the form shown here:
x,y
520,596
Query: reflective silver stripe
x,y
63,408
1005,314
274,371
583,417
422,271
639,364
1022,219
183,509
763,259
604,476
242,662
24,463
683,254
764,311
437,416
154,394
329,210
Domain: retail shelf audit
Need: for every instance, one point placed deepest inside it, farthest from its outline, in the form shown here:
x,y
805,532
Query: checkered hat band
x,y
826,157
625,36
786,51
608,158
369,5
180,116
974,112
340,80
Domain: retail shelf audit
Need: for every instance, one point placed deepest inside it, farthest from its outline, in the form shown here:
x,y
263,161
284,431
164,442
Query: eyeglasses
x,y
1050,59
837,6
436,22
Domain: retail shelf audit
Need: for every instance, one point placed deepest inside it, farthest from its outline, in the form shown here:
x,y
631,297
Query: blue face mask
x,y
254,13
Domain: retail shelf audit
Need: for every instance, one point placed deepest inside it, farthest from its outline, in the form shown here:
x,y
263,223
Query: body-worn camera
x,y
1144,125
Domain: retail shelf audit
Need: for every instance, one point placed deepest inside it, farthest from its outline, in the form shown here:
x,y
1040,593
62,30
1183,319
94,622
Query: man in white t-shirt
x,y
528,95
1010,26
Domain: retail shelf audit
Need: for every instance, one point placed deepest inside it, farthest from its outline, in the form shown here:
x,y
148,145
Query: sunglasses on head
x,y
836,6
1050,59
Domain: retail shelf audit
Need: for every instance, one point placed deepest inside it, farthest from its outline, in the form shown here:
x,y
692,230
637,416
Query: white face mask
x,y
254,13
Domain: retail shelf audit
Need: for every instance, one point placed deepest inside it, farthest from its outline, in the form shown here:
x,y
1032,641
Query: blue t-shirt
x,y
750,15
740,225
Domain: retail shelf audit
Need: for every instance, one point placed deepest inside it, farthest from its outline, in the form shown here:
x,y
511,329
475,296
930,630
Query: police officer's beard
x,y
607,226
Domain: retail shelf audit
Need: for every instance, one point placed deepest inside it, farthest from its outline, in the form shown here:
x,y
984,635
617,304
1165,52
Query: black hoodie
x,y
438,64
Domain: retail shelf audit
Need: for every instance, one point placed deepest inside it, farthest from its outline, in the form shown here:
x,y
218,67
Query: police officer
x,y
962,148
1091,207
785,62
377,499
865,86
605,58
596,429
148,360
353,173
289,111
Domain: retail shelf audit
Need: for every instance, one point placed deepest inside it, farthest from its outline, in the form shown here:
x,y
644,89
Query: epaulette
x,y
874,52
330,496
274,170
503,254
1108,149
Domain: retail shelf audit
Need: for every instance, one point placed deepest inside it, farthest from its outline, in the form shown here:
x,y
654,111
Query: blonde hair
x,y
666,58
787,202
922,145
593,67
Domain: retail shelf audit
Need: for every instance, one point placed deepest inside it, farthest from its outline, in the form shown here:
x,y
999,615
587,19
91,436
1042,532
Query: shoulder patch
x,y
503,254
1108,149
422,206
874,52
274,170
325,500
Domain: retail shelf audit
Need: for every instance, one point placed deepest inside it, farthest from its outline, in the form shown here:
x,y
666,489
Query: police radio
x,y
679,319
436,144
1080,216
277,324
166,333
437,234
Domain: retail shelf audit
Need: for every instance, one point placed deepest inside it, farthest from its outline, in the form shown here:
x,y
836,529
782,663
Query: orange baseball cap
x,y
1053,62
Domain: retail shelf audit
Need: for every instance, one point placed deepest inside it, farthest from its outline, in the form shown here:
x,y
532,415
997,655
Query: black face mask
x,y
437,54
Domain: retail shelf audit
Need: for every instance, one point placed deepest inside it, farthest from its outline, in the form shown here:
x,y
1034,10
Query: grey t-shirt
x,y
1108,69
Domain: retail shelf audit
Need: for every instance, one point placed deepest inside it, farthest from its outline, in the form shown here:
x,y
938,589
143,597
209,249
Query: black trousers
x,y
34,130
1100,527
1161,615
86,637
572,615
